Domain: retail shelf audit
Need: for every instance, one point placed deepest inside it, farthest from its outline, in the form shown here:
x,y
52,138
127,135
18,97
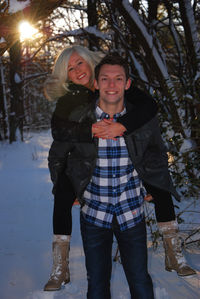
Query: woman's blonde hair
x,y
57,84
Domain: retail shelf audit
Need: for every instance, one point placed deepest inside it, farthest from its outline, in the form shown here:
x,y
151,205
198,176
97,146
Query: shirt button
x,y
114,175
114,190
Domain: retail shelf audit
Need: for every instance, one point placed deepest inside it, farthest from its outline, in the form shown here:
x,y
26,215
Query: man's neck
x,y
111,110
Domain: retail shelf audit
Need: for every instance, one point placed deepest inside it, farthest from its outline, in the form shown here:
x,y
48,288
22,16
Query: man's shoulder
x,y
137,96
148,127
138,100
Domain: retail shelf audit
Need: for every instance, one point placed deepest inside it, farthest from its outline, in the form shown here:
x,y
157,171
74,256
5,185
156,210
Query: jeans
x,y
97,244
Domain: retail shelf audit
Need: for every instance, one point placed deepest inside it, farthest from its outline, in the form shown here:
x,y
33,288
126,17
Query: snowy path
x,y
25,235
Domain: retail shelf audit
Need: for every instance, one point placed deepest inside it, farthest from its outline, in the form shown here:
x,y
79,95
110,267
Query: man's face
x,y
112,83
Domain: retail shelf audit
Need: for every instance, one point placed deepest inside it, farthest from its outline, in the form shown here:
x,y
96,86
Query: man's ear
x,y
96,84
128,84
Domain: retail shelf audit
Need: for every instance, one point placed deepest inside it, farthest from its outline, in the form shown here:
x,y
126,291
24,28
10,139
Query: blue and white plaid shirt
x,y
115,188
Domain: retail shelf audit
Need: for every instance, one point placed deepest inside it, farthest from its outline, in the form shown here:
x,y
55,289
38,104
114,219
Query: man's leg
x,y
133,251
97,244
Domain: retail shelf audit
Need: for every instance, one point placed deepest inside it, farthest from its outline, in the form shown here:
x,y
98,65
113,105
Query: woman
x,y
76,65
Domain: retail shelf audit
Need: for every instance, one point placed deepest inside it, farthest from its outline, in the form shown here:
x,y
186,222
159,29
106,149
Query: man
x,y
113,199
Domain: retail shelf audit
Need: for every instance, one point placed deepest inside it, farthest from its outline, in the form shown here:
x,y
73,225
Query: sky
x,y
26,205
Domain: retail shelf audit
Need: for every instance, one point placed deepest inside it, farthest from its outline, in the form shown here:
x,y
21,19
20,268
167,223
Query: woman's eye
x,y
70,69
80,62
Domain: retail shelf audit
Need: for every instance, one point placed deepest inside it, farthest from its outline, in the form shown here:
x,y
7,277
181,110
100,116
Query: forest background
x,y
159,39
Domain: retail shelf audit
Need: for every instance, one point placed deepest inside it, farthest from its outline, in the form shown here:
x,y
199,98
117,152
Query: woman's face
x,y
79,71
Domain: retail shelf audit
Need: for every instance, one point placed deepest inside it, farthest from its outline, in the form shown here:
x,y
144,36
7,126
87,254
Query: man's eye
x,y
119,79
80,62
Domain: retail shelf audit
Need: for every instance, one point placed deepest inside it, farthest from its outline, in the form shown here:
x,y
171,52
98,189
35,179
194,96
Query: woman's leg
x,y
168,227
63,202
62,228
164,207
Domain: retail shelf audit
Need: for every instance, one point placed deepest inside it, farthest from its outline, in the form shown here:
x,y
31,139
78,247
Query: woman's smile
x,y
79,71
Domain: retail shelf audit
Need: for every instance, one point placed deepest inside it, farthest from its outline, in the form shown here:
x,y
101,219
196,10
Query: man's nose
x,y
111,82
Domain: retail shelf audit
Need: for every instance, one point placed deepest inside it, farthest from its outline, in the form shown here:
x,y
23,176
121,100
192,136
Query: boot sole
x,y
188,275
58,288
182,275
51,290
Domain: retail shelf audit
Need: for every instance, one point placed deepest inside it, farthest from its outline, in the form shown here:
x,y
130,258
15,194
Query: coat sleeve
x,y
70,131
57,160
144,108
156,162
67,128
157,151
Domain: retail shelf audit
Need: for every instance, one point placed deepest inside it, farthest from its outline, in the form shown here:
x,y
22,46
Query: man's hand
x,y
107,129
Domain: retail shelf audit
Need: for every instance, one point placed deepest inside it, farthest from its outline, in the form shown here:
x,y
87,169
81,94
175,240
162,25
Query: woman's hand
x,y
148,197
107,129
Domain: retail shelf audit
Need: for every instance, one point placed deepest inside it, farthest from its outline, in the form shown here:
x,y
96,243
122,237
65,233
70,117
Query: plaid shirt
x,y
115,188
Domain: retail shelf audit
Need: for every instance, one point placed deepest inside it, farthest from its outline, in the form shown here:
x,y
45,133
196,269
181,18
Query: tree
x,y
3,104
16,114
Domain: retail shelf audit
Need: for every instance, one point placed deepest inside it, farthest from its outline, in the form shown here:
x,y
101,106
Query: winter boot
x,y
60,270
174,259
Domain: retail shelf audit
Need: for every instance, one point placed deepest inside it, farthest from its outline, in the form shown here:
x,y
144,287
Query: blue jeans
x,y
97,244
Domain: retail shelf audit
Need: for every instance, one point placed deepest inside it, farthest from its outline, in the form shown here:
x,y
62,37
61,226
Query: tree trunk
x,y
3,103
92,21
16,104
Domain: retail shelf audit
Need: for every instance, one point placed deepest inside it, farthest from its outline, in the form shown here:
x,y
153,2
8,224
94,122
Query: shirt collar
x,y
100,114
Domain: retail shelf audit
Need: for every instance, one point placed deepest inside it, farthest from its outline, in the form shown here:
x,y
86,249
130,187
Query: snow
x,y
139,67
187,145
26,234
17,6
2,40
17,78
89,29
192,25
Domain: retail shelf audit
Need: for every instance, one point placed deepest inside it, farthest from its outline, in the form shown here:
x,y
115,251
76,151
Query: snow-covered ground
x,y
26,233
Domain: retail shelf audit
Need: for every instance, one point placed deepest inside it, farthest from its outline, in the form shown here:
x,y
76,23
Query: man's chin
x,y
112,100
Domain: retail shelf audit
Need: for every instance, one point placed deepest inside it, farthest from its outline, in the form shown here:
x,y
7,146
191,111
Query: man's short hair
x,y
112,59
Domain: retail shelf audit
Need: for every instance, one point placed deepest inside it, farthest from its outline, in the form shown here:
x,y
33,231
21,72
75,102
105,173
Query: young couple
x,y
104,152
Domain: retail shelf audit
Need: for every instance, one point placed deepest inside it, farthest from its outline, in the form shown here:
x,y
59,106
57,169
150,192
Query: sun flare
x,y
27,31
